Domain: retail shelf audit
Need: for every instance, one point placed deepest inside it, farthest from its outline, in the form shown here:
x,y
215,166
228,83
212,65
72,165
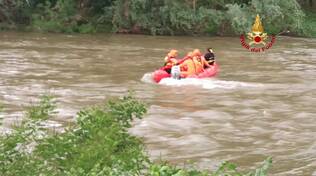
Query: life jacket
x,y
183,59
191,66
199,65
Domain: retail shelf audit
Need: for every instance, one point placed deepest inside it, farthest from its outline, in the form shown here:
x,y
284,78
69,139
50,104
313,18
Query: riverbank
x,y
151,18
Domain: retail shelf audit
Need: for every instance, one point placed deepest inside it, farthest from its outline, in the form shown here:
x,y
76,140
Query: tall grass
x,y
97,144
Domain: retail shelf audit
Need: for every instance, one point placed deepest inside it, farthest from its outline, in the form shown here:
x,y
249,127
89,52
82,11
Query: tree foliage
x,y
162,17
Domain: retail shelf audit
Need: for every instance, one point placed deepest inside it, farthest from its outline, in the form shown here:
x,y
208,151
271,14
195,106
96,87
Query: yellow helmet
x,y
173,53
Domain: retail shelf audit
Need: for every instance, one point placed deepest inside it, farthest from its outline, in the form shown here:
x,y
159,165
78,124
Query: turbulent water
x,y
260,104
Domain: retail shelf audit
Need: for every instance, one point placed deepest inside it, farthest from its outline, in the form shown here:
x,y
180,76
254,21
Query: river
x,y
260,104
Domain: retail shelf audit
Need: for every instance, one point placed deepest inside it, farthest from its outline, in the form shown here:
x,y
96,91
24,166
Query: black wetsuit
x,y
210,58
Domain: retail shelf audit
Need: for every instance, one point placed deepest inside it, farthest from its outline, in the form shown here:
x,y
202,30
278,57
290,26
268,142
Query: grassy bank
x,y
97,144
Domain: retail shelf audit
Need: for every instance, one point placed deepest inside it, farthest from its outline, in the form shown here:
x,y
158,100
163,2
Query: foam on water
x,y
148,78
206,83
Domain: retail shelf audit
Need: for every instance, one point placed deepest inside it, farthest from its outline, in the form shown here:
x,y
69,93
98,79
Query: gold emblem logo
x,y
257,38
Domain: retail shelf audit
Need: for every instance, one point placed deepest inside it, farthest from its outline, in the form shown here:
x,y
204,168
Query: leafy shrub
x,y
14,13
277,16
309,24
163,17
225,169
57,17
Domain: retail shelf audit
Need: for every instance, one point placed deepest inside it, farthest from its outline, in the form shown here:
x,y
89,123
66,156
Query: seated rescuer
x,y
170,60
200,61
209,56
192,64
187,66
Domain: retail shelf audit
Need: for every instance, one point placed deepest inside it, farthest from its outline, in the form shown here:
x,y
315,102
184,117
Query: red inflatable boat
x,y
209,72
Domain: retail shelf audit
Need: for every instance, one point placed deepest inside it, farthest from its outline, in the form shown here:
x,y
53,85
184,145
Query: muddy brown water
x,y
261,104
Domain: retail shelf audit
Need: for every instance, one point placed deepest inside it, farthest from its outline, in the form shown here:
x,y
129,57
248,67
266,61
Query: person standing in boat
x,y
209,57
170,60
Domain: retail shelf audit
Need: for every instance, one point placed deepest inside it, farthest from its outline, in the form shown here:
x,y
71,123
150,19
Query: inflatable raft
x,y
208,72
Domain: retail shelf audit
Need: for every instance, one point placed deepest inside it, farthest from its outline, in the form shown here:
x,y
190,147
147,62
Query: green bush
x,y
59,17
99,143
309,25
225,169
14,13
165,17
277,16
